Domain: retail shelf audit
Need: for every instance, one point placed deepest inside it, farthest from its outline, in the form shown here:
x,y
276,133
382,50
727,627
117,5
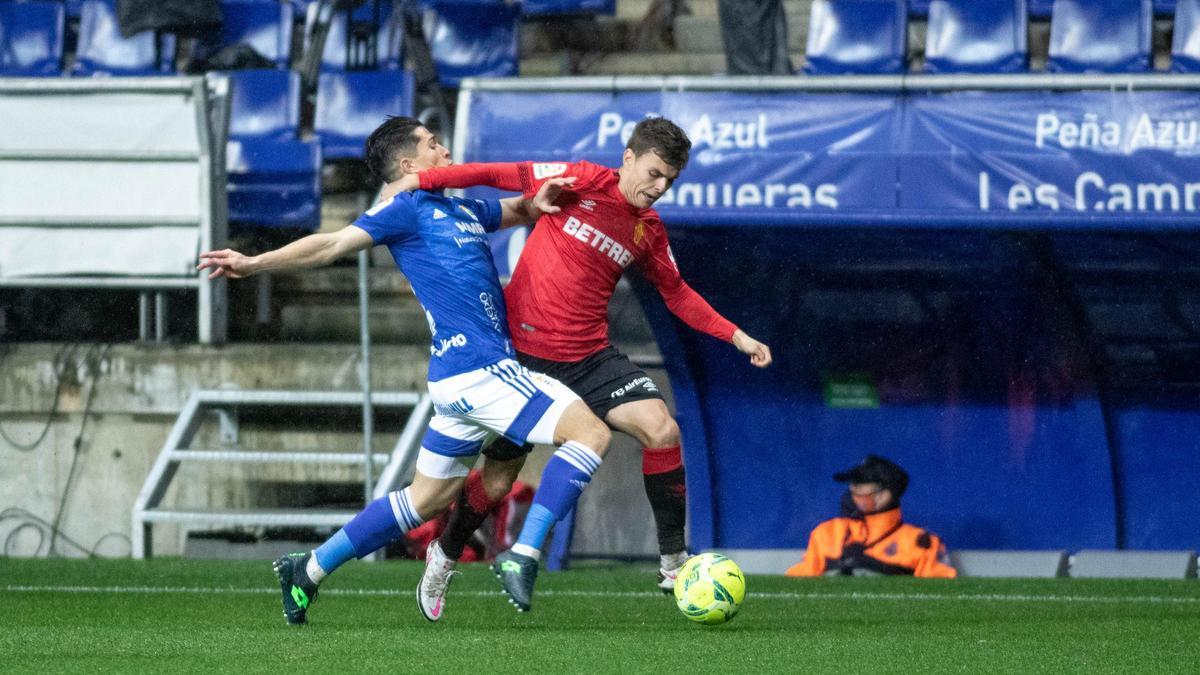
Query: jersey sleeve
x,y
660,269
391,220
523,177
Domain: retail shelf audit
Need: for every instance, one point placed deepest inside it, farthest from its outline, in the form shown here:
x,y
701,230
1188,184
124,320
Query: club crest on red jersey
x,y
543,171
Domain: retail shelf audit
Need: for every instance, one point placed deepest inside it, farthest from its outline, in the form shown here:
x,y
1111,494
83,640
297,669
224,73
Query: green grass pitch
x,y
170,615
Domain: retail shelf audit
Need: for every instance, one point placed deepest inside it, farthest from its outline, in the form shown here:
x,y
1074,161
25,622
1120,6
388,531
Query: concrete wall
x,y
139,391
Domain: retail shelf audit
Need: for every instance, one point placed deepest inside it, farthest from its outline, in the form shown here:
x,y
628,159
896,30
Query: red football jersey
x,y
559,293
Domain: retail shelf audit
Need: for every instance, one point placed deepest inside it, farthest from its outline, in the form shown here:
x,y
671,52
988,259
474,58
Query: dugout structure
x,y
115,183
989,278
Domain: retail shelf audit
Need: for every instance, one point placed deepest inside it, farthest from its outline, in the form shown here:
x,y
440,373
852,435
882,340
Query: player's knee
x,y
498,477
662,432
595,435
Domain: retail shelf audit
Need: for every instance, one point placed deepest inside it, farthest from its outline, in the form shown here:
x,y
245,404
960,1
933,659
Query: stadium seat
x,y
103,51
350,105
1111,36
558,7
976,36
1041,9
856,37
266,27
337,54
919,8
1185,44
273,175
31,39
474,40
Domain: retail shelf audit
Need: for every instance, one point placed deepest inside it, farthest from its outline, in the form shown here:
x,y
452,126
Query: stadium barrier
x,y
115,183
989,278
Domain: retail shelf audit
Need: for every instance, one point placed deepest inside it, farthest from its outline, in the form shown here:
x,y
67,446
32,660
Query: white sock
x,y
530,551
673,560
314,570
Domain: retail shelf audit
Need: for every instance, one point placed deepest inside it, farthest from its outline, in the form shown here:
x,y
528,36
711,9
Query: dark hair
x,y
394,138
662,136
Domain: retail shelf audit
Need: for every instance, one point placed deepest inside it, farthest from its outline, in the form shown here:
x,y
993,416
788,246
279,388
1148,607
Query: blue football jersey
x,y
440,243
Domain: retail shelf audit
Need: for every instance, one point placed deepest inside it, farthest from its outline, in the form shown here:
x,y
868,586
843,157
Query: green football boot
x,y
516,573
298,590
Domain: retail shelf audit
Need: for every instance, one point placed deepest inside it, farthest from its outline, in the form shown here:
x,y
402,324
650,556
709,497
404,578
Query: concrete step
x,y
636,9
639,63
393,323
703,33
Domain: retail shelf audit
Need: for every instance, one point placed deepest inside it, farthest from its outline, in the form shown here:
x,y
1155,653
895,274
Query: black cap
x,y
876,469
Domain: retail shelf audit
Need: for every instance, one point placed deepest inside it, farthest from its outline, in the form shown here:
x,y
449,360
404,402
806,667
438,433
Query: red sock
x,y
471,509
666,487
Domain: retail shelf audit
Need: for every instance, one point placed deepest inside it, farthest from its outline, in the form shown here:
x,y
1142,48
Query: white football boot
x,y
671,564
431,592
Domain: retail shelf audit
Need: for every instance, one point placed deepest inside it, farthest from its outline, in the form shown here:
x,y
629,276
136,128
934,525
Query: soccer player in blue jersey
x,y
479,391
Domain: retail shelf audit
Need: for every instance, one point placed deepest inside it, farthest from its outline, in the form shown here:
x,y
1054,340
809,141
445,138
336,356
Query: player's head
x,y
655,154
403,145
876,484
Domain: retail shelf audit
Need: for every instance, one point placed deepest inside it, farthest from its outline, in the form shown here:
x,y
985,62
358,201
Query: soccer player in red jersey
x,y
558,314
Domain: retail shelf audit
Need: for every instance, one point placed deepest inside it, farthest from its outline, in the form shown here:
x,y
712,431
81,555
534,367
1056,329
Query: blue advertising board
x,y
930,272
995,159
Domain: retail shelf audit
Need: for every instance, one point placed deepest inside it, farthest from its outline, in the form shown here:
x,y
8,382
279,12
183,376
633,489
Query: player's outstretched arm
x,y
760,354
521,210
406,183
314,250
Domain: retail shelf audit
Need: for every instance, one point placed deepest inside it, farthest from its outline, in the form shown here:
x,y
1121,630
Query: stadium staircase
x,y
287,412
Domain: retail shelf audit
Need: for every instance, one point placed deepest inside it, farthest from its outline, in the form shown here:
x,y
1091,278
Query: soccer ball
x,y
709,589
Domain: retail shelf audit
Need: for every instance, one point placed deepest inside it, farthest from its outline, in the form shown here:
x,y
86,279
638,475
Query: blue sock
x,y
335,551
567,473
381,522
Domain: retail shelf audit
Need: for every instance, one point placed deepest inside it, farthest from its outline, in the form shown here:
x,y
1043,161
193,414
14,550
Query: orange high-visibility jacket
x,y
880,543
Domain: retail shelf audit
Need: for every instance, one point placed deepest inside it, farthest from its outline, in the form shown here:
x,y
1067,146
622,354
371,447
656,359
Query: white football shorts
x,y
503,399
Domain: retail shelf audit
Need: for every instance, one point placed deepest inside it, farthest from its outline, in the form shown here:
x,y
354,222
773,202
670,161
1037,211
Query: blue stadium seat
x,y
474,40
389,52
1111,36
557,7
918,8
264,26
350,105
103,51
1041,9
273,175
31,39
976,36
856,36
1185,44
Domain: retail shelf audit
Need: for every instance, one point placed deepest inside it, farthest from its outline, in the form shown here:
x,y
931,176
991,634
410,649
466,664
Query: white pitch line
x,y
768,595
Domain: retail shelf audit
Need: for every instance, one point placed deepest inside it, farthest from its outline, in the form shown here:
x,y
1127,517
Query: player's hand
x,y
544,200
406,183
226,262
760,354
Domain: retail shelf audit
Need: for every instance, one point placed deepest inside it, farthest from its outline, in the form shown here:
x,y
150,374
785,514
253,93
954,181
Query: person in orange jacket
x,y
871,537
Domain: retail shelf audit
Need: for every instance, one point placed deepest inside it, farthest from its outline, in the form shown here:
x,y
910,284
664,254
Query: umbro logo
x,y
588,204
438,214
